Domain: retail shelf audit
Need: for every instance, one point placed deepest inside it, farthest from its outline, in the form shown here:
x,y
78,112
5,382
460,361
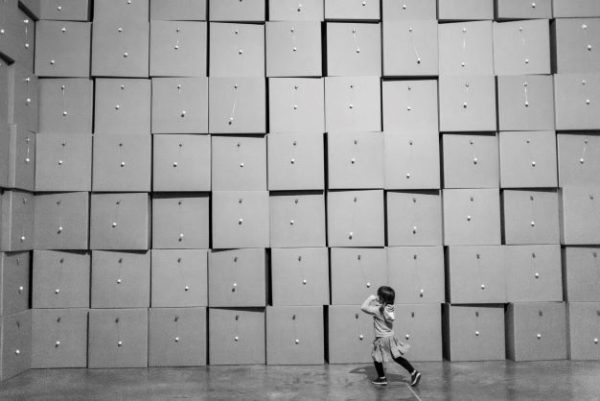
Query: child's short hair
x,y
386,295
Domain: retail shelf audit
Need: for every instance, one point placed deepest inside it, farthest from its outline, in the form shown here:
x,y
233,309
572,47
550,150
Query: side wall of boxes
x,y
222,182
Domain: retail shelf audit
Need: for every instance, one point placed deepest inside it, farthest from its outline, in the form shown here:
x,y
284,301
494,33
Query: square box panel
x,y
237,105
351,9
59,338
120,48
17,221
239,163
356,273
420,326
240,219
177,337
120,221
178,10
528,159
118,338
295,161
580,208
61,220
525,103
26,101
15,282
181,163
576,40
19,147
237,278
295,335
350,332
534,273
180,221
355,160
536,331
69,10
471,216
236,336
465,48
120,279
531,217
61,279
522,47
237,50
414,218
467,103
66,106
300,276
410,47
417,274
353,49
409,10
465,10
471,161
575,8
15,331
179,105
235,10
294,48
291,10
297,220
474,333
178,48
577,101
583,336
63,162
62,49
122,163
355,218
518,9
296,105
476,275
179,278
127,10
581,274
578,159
122,106
412,160
353,104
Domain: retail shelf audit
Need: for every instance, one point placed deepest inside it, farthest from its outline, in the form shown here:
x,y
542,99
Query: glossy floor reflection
x,y
561,380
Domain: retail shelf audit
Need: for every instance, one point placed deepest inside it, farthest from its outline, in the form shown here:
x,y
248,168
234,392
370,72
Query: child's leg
x,y
379,369
405,364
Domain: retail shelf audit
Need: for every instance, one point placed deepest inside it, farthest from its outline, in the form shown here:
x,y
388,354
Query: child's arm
x,y
367,307
388,313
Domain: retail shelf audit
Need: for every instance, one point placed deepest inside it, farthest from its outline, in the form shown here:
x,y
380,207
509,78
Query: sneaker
x,y
415,378
380,381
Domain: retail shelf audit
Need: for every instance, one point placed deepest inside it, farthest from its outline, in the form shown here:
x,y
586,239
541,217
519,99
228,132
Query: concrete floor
x,y
562,380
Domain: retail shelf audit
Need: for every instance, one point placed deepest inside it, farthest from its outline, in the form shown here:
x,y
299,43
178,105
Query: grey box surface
x,y
61,220
61,279
180,221
295,335
297,219
179,278
177,337
417,274
536,331
120,279
118,338
300,276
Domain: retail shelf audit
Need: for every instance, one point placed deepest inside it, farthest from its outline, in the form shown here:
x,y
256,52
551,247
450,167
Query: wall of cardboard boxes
x,y
189,183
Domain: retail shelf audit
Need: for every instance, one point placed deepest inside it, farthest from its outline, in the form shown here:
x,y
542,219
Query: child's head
x,y
386,295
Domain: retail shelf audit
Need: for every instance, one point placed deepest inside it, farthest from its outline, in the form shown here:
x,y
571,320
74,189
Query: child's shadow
x,y
369,372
